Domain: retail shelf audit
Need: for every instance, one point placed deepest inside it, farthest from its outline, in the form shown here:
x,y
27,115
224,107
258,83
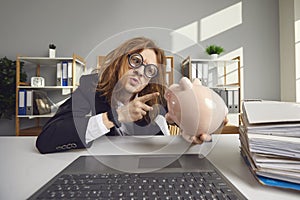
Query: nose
x,y
140,70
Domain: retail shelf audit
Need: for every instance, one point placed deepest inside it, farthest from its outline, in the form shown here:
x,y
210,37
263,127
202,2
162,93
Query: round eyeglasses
x,y
136,60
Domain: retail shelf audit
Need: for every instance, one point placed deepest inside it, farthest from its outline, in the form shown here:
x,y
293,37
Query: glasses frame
x,y
142,64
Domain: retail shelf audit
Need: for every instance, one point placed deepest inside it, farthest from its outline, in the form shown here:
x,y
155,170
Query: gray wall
x,y
75,26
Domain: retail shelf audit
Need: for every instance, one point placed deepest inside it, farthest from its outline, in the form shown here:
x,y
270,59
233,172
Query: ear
x,y
167,94
197,82
185,83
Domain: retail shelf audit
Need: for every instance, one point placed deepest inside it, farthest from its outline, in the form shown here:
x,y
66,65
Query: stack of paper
x,y
270,142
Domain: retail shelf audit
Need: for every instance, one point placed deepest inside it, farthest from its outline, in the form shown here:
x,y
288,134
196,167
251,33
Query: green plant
x,y
214,49
8,86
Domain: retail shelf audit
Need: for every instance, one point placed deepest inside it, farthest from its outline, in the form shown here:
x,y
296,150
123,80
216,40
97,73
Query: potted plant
x,y
214,51
8,87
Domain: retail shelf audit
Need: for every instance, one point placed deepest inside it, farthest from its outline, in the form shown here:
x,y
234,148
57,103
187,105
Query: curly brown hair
x,y
113,69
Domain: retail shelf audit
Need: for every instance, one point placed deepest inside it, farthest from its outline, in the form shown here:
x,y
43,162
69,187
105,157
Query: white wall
x,y
75,26
289,13
287,50
297,49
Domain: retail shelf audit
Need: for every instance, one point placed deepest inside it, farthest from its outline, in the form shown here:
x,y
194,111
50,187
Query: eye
x,y
150,70
136,60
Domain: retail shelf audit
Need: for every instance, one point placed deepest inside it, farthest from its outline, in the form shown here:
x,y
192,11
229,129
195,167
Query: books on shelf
x,y
230,97
34,102
270,142
64,73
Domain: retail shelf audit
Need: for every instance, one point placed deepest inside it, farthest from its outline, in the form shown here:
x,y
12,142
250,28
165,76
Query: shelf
x,y
46,87
36,116
230,129
226,87
47,68
32,131
217,61
48,61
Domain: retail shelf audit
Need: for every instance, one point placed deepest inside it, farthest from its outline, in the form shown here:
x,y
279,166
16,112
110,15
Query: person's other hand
x,y
203,137
197,139
136,109
169,119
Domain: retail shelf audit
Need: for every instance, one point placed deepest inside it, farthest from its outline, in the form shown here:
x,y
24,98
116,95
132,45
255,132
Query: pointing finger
x,y
148,97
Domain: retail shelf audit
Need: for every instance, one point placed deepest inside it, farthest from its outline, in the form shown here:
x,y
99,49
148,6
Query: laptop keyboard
x,y
186,185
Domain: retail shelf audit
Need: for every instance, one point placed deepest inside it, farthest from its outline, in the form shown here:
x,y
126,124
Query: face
x,y
135,80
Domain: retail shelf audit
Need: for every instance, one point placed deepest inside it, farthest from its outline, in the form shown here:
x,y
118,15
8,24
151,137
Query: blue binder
x,y
22,102
64,73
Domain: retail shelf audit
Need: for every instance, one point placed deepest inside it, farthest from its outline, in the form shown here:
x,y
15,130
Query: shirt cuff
x,y
95,128
162,123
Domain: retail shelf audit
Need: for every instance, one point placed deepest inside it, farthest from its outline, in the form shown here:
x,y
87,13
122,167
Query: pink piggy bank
x,y
196,109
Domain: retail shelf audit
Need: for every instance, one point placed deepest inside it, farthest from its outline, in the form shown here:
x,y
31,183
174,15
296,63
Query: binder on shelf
x,y
59,74
205,74
36,102
70,73
200,71
223,95
222,92
194,71
64,73
22,102
213,77
29,102
230,101
236,101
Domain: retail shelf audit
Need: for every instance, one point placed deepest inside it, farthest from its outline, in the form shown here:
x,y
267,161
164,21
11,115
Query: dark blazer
x,y
67,128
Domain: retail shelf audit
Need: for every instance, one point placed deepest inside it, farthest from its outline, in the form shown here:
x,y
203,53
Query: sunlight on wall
x,y
220,21
298,72
184,37
206,28
297,31
297,57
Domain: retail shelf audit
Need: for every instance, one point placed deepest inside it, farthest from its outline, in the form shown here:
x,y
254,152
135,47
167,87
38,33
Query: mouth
x,y
134,81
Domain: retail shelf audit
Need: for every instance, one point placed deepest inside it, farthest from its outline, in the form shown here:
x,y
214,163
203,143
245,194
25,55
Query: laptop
x,y
165,176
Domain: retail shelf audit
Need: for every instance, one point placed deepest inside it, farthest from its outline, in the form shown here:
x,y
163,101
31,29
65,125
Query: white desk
x,y
23,170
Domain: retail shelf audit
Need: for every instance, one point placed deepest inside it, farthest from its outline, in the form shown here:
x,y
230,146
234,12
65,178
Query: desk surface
x,y
23,170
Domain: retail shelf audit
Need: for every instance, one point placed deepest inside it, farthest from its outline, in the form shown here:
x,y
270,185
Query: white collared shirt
x,y
96,127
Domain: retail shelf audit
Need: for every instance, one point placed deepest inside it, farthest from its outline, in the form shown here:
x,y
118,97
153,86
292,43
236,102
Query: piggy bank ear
x,y
167,94
185,83
196,81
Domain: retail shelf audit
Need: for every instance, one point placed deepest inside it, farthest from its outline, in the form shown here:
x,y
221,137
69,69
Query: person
x,y
123,97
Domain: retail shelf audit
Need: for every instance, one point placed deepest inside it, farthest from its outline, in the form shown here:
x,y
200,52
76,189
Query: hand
x,y
136,109
197,139
169,118
203,137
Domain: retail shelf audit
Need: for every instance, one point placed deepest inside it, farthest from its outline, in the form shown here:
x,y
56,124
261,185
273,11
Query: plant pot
x,y
214,56
51,53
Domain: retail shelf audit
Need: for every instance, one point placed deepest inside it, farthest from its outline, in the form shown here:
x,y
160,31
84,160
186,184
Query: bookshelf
x,y
222,76
27,123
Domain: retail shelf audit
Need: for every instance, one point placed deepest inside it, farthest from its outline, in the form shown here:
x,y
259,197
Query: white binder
x,y
261,112
70,73
230,101
29,102
64,73
59,74
236,101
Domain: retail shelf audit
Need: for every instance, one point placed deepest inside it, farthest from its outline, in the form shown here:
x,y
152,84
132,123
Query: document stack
x,y
270,142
